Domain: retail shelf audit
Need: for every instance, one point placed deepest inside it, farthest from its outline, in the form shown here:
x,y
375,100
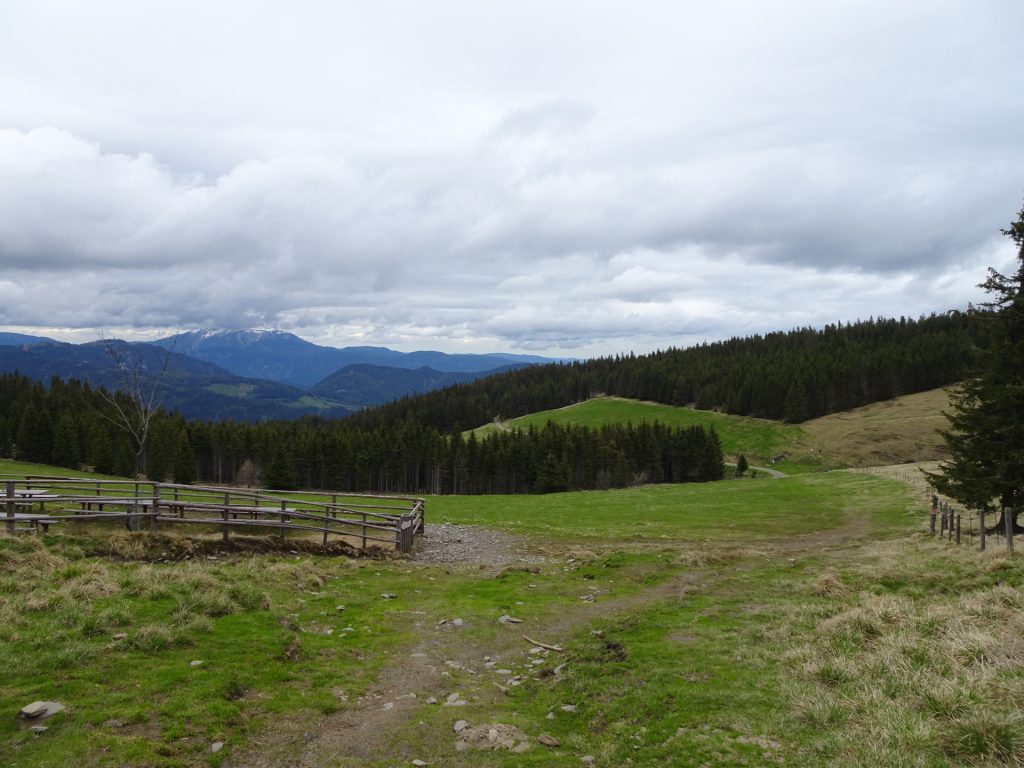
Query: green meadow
x,y
757,438
804,621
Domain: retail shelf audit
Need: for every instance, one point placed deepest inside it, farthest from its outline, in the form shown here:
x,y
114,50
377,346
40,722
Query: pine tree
x,y
184,460
986,438
65,442
741,465
281,473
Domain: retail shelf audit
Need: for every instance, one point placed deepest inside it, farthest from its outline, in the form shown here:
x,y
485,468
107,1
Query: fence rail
x,y
948,523
364,521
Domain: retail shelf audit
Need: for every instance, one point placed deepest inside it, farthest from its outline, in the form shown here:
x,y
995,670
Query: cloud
x,y
566,175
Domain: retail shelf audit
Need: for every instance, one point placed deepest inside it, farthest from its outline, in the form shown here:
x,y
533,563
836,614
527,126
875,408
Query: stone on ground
x,y
38,709
495,736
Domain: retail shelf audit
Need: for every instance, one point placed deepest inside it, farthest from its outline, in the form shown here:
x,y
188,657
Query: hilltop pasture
x,y
760,438
806,620
891,431
738,623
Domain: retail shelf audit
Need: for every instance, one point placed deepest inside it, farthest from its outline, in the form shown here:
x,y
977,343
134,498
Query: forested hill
x,y
72,425
792,376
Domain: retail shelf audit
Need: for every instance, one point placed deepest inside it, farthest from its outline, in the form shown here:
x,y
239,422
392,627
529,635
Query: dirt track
x,y
447,661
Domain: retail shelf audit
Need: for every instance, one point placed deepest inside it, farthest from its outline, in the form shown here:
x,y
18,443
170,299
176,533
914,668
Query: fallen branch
x,y
543,645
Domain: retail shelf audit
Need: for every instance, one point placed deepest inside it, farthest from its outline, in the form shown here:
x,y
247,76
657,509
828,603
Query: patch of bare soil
x,y
159,547
850,531
449,544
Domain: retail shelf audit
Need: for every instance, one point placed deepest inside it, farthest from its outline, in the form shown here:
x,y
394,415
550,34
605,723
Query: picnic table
x,y
35,521
33,494
23,498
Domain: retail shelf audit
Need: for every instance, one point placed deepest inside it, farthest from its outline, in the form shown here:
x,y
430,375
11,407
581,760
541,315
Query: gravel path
x,y
447,543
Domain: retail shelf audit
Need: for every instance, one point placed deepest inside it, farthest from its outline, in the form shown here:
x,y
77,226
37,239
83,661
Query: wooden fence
x,y
948,523
364,521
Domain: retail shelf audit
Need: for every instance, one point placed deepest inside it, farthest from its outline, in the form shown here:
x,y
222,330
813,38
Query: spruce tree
x,y
742,465
184,460
986,439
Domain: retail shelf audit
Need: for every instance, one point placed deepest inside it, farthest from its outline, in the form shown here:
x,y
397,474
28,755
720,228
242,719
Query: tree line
x,y
416,445
789,376
71,424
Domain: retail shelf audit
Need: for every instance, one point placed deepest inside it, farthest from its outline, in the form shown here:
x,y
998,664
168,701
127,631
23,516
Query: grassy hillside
x,y
890,432
757,437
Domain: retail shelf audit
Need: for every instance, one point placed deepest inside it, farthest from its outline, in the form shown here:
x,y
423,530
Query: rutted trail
x,y
466,667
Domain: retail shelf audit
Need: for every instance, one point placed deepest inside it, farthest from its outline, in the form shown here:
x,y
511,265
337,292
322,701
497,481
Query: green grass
x,y
23,468
799,621
138,699
757,438
731,509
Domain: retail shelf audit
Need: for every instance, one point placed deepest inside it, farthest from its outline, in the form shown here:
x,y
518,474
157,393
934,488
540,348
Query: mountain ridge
x,y
249,375
287,358
195,388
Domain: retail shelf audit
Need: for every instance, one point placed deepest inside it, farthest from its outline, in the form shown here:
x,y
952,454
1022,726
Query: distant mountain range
x,y
255,375
284,357
18,339
360,385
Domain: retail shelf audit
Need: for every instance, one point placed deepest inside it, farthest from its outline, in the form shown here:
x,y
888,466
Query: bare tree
x,y
138,396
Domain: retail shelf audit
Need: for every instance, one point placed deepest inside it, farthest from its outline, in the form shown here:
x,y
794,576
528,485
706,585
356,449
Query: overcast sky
x,y
568,178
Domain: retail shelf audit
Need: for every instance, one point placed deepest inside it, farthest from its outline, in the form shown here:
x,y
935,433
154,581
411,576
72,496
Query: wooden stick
x,y
543,645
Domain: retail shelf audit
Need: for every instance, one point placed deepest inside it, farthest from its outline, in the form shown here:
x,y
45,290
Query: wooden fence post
x,y
981,528
958,515
952,515
283,508
156,508
227,510
1008,518
10,508
364,531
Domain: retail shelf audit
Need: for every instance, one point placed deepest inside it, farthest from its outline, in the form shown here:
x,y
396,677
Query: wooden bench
x,y
34,521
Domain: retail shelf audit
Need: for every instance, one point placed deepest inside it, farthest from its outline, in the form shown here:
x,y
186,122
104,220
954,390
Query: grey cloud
x,y
557,118
543,176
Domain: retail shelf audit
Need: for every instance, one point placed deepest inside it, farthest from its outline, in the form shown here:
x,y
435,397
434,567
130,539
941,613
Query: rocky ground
x,y
452,544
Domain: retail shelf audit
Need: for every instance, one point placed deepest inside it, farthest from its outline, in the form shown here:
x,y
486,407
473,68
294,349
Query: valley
x,y
253,375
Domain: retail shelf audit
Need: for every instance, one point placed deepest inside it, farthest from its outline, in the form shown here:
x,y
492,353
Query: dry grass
x,y
922,665
829,585
890,432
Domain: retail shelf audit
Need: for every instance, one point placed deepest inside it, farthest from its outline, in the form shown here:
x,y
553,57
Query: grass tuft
x,y
986,735
829,585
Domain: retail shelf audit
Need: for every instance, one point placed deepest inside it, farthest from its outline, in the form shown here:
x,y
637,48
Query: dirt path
x,y
448,543
448,662
774,474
